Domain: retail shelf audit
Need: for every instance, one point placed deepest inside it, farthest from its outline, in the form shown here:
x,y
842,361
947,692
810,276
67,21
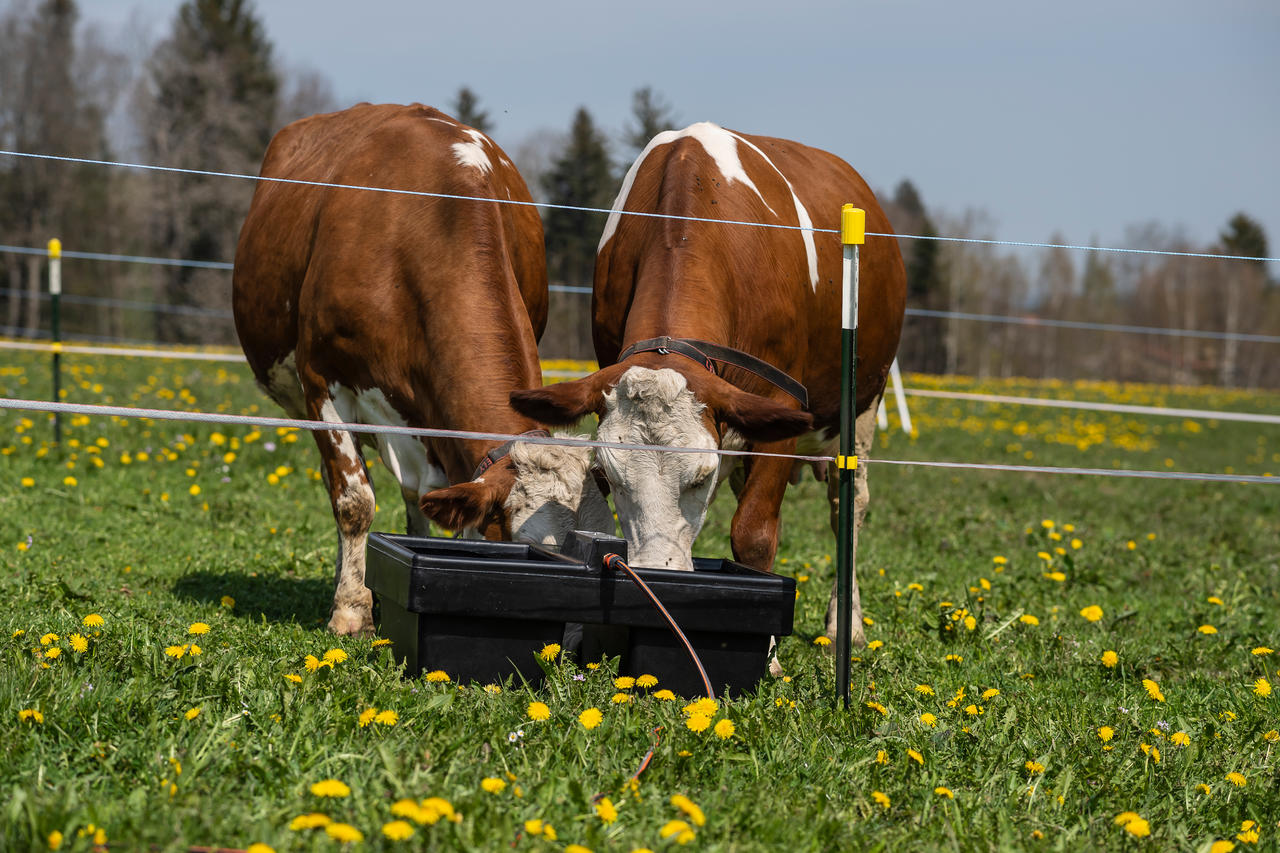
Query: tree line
x,y
211,93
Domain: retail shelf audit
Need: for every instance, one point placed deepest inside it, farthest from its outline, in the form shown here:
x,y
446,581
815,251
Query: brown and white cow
x,y
380,308
772,293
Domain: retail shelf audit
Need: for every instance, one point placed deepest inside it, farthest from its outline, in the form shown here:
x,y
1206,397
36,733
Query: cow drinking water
x,y
717,335
382,308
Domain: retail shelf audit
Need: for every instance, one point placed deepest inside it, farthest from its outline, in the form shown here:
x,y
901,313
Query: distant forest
x,y
211,94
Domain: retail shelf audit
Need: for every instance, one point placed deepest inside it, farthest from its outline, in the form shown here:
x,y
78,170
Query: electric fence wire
x,y
383,429
582,209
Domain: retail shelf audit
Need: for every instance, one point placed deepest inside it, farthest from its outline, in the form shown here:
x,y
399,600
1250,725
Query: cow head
x,y
662,497
539,492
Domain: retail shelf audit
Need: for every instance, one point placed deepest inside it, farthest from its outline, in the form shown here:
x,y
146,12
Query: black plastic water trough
x,y
481,611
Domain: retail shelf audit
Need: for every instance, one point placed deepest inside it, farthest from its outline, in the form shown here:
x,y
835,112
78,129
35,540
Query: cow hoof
x,y
348,622
775,668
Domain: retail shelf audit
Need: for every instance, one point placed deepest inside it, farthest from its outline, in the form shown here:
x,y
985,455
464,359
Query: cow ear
x,y
566,403
462,506
757,418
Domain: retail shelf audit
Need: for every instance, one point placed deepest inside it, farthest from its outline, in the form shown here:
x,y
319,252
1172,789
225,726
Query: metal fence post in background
x,y
55,299
853,228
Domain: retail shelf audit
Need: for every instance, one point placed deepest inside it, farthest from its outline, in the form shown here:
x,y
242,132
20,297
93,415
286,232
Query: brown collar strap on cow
x,y
707,354
503,449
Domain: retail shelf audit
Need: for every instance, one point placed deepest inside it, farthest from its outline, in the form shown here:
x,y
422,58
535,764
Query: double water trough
x,y
481,611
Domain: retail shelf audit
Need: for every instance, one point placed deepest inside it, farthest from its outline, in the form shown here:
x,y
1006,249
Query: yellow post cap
x,y
853,225
55,248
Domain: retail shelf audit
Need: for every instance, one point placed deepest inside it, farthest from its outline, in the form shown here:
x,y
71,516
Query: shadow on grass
x,y
278,598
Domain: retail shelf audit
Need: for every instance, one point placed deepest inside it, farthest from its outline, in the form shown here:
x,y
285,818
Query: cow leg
x,y
351,495
864,434
416,524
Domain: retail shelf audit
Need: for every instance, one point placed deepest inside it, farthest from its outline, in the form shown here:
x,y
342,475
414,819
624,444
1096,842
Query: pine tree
x,y
652,116
210,103
581,176
466,109
48,106
926,286
1246,237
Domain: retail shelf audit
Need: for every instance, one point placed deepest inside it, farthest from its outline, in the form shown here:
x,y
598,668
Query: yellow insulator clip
x,y
853,225
55,347
55,248
849,462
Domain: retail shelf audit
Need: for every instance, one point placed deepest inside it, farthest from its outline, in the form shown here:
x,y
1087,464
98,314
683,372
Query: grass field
x,y
1050,652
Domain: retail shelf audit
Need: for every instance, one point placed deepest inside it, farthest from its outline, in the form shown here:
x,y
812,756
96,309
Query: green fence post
x,y
852,233
55,298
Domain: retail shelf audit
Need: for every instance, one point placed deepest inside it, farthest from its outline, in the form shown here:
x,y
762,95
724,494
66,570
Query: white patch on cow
x,y
718,142
404,455
661,497
810,250
554,492
285,388
353,506
472,153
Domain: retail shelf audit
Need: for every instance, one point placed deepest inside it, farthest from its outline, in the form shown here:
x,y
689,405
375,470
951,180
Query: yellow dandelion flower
x,y
954,659
878,708
1204,789
437,676
93,620
1221,847
1028,619
606,811
195,650
79,643
698,723
1237,779
30,715
972,710
1034,767
48,639
578,848
664,695
915,756
366,716
1213,599
621,698
53,653
1047,524
54,840
690,808
398,830
534,826
1249,833
1207,629
192,713
387,718
882,757
674,827
294,677
1045,555
1262,687
1110,659
1131,545
874,644
538,711
822,641
175,651
590,718
69,480
725,729
1076,544
1262,650
990,693
929,719
330,788
1153,689
999,561
1057,577
881,798
493,785
227,601
925,689
647,681
198,628
550,651
1138,827
1106,733
314,820
944,792
624,682
1093,613
705,706
1180,738
1272,736
335,656
344,832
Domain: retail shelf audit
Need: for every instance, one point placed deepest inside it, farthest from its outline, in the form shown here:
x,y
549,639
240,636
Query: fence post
x,y
55,300
853,226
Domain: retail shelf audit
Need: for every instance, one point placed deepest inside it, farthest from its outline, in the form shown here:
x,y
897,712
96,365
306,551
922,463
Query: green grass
x,y
131,543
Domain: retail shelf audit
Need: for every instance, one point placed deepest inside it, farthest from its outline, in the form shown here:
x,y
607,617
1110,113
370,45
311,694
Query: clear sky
x,y
1080,118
